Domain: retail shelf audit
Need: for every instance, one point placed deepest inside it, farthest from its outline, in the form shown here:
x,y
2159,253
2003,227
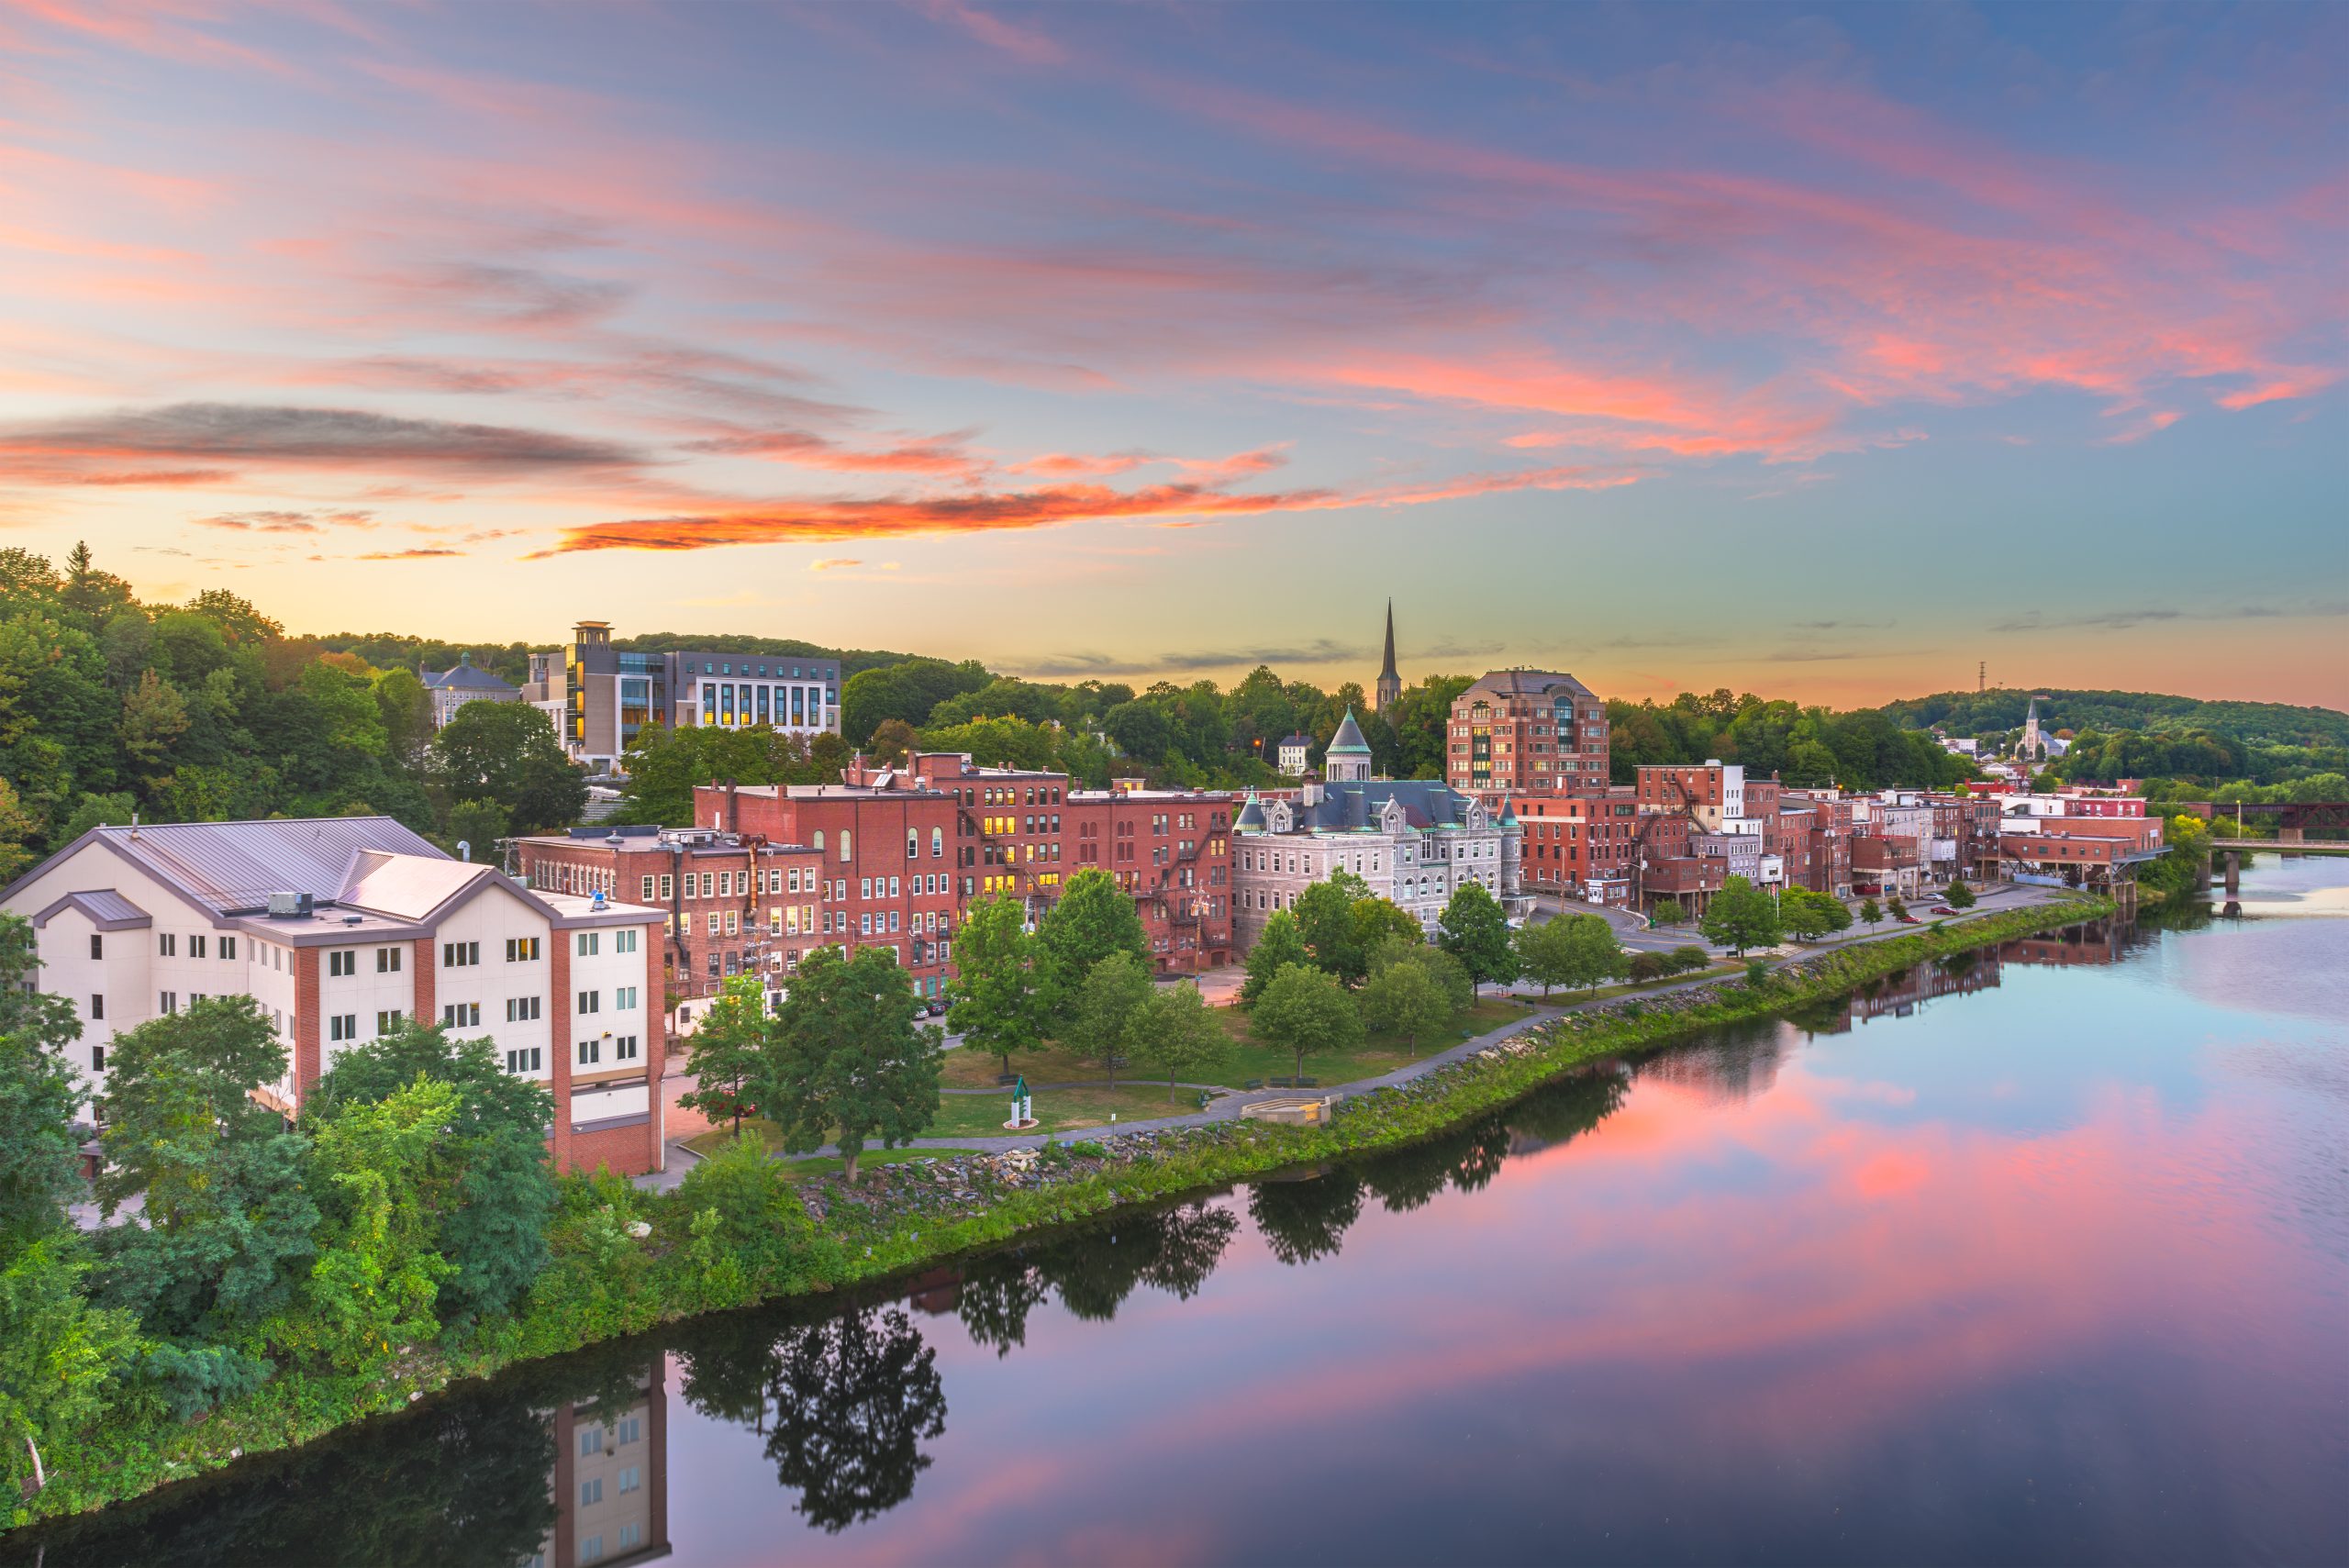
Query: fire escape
x,y
1643,839
1182,908
1023,872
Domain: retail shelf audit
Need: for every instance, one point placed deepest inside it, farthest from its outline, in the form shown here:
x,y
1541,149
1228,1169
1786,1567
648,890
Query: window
x,y
625,941
591,1442
668,887
592,1549
865,888
845,855
342,1026
623,1048
893,887
342,961
647,886
590,1052
460,955
169,1002
684,925
590,1001
708,882
733,922
97,1008
631,1430
592,1491
167,945
387,961
461,1015
196,947
521,1009
936,843
523,1060
624,997
387,1020
588,942
913,843
98,1059
227,947
630,1478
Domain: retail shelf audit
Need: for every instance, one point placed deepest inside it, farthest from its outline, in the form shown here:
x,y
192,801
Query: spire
x,y
1389,689
1387,671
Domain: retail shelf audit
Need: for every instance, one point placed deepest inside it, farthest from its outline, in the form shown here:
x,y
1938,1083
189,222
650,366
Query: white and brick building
x,y
342,927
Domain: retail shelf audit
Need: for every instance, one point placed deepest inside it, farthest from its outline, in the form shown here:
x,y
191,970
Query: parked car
x,y
1943,909
1911,920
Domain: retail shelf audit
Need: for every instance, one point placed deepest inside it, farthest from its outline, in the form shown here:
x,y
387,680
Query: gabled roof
x,y
107,909
466,676
409,888
1295,737
1426,802
1348,739
230,866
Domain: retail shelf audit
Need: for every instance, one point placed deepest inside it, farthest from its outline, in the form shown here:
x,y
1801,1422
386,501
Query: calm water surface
x,y
2039,1257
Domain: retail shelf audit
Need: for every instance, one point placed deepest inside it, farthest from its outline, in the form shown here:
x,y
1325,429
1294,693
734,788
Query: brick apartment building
x,y
343,927
1525,732
1583,847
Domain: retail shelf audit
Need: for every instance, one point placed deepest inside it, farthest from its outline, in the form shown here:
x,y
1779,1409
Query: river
x,y
2040,1256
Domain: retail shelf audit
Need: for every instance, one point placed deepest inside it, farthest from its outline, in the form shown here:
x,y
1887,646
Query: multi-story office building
x,y
1413,840
609,694
1520,733
343,927
453,688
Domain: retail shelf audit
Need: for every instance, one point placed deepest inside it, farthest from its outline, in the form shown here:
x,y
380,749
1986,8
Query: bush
x,y
1757,973
1689,958
1648,966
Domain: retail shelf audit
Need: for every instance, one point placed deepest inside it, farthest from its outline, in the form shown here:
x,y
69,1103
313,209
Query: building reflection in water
x,y
610,1483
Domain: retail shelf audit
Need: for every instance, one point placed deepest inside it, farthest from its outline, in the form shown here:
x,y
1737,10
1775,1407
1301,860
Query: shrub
x,y
1687,960
1649,966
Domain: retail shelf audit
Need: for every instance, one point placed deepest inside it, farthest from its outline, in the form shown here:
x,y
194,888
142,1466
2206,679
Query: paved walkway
x,y
1228,1107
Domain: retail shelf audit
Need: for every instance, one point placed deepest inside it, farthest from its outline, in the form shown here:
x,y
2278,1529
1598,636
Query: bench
x,y
1254,1083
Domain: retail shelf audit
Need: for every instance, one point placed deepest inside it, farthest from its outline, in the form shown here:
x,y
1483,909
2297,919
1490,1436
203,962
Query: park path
x,y
1227,1106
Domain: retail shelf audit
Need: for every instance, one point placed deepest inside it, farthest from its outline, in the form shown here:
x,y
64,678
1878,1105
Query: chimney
x,y
1309,792
733,808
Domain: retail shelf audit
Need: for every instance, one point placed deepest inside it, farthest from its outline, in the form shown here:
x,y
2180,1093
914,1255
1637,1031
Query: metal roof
x,y
1526,684
107,910
233,866
1348,738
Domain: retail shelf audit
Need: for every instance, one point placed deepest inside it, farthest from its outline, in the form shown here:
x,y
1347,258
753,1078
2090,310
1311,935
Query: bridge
x,y
2293,819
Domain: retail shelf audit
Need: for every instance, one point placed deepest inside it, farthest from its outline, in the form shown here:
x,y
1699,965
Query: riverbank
x,y
607,1281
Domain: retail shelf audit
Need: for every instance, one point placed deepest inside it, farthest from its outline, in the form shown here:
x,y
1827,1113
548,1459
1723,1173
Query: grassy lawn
x,y
981,1116
969,1069
1377,1053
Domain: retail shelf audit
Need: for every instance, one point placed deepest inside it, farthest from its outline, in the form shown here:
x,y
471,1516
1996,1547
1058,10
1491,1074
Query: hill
x,y
2247,724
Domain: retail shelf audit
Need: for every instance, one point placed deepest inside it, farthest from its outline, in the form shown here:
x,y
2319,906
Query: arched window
x,y
936,843
819,838
845,855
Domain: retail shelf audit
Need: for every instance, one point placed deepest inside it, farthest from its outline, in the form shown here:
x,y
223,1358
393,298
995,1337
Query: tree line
x,y
209,711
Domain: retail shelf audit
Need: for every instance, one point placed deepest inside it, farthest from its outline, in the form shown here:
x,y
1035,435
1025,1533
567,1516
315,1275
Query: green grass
x,y
969,1069
1377,1053
981,1115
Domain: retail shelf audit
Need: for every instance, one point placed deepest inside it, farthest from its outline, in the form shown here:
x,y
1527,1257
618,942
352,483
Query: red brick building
x,y
1582,847
1524,732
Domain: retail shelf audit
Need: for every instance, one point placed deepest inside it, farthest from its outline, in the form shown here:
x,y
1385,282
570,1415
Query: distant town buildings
x,y
608,695
1414,841
1295,752
1519,732
453,688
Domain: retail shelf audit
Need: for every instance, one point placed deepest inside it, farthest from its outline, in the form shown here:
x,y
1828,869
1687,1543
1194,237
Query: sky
x,y
1822,353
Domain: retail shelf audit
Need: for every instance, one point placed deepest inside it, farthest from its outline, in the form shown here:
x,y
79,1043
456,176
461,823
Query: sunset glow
x,y
1817,354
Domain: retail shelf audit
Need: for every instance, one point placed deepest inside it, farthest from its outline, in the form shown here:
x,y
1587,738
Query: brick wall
x,y
307,1025
426,962
561,1043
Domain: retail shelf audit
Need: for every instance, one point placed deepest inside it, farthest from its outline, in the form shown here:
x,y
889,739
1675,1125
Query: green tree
x,y
477,825
1574,950
1114,989
40,1095
1897,906
724,1052
1543,952
60,1359
893,741
1304,1011
1472,929
1093,918
1871,913
1176,1033
508,752
403,708
388,1170
1690,958
1326,919
1001,996
846,1062
1445,970
1739,916
492,1229
1668,912
1277,946
178,1087
1803,912
1959,896
1402,999
1379,920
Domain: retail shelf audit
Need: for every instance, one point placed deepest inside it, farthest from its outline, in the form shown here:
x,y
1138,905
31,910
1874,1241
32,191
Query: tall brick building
x,y
1525,732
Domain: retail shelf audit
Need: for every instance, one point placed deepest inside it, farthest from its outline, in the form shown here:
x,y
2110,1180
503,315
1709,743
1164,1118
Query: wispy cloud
x,y
1318,651
2155,615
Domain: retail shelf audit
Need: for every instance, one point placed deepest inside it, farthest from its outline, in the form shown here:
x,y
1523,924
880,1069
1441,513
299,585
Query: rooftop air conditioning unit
x,y
293,904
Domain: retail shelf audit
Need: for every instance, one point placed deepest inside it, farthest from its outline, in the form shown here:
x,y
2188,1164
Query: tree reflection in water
x,y
1095,1271
845,1404
1303,1220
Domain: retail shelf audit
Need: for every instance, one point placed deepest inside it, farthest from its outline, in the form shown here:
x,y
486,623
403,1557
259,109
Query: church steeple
x,y
1390,684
